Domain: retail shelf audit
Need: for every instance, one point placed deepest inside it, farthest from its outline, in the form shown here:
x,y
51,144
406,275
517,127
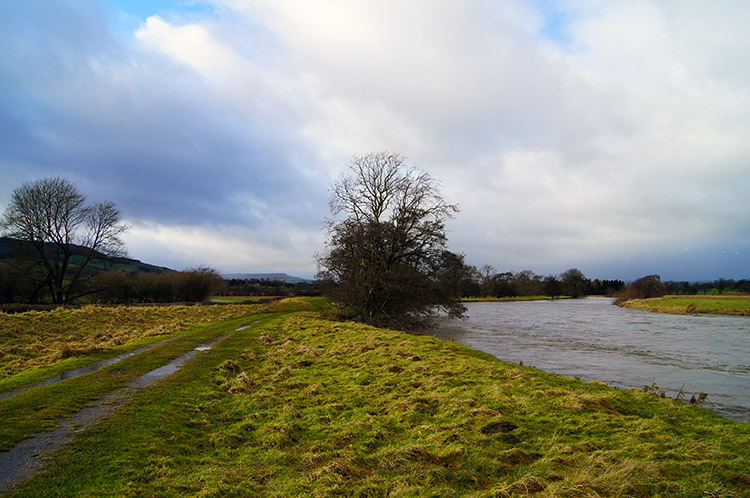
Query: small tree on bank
x,y
65,234
386,243
643,288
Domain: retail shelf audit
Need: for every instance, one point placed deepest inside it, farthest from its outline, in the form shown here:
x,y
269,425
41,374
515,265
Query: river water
x,y
591,339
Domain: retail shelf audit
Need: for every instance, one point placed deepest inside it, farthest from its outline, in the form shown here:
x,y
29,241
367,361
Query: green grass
x,y
688,305
39,409
236,299
39,344
301,406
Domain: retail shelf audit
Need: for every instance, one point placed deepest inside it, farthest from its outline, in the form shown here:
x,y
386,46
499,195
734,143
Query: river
x,y
591,339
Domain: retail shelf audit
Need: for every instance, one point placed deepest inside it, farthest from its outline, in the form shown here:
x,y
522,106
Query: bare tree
x,y
66,235
385,242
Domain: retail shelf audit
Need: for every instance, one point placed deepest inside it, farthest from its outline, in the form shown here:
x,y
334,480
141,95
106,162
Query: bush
x,y
194,285
643,288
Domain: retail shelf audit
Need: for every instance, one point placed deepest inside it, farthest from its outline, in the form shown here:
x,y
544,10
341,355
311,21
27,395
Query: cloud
x,y
239,250
135,122
601,135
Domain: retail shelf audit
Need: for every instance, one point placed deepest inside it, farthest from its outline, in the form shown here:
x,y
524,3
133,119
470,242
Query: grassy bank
x,y
299,406
688,305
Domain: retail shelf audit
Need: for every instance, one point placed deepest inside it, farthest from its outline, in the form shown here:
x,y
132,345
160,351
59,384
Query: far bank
x,y
738,305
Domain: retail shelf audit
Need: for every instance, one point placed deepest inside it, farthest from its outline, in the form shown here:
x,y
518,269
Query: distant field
x,y
688,305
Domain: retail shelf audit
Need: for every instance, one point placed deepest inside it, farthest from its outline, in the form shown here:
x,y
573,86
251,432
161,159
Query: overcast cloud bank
x,y
609,136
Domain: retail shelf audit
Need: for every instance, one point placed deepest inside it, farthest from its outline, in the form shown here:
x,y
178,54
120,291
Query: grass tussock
x,y
300,406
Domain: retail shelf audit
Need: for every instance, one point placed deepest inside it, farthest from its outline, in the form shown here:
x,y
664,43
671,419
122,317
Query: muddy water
x,y
592,339
25,458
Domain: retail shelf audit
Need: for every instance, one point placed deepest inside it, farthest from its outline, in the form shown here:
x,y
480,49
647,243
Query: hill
x,y
283,277
12,248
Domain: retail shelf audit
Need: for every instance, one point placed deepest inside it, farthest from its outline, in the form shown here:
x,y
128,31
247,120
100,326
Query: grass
x,y
39,409
38,344
236,299
688,305
301,406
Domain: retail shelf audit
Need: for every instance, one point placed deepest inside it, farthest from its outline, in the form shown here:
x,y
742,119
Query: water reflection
x,y
592,339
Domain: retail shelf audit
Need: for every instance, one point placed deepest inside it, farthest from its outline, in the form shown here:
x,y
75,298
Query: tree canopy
x,y
386,243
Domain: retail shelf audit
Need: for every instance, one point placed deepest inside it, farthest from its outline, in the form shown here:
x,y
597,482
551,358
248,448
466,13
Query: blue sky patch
x,y
146,8
555,21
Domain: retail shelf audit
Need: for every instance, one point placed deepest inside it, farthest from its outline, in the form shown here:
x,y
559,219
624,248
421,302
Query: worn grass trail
x,y
37,345
38,409
300,406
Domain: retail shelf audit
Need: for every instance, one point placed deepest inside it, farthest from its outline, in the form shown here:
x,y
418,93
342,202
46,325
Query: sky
x,y
609,136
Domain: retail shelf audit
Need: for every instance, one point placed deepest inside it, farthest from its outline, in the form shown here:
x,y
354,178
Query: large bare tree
x,y
386,240
51,216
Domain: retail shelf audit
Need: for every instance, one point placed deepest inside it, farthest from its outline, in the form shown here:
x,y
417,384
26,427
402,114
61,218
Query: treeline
x,y
652,286
27,285
260,287
719,287
467,281
193,285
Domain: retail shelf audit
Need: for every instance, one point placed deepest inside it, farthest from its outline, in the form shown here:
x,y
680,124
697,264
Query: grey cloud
x,y
619,142
140,129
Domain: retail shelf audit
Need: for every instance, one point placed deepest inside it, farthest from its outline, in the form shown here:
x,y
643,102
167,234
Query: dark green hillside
x,y
12,248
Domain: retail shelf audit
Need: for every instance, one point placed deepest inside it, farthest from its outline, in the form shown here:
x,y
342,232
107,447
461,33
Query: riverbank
x,y
690,305
295,405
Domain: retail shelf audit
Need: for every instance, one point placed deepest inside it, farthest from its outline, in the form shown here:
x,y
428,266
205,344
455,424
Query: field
x,y
688,305
293,404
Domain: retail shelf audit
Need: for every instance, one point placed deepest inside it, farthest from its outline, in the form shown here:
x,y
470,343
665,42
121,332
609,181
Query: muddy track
x,y
28,456
93,367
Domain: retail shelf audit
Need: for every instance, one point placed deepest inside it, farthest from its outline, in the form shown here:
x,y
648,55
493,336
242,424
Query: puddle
x,y
246,326
24,459
93,367
173,365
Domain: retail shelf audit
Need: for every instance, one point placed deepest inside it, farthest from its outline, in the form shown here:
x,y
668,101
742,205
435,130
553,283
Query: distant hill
x,y
266,276
10,248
